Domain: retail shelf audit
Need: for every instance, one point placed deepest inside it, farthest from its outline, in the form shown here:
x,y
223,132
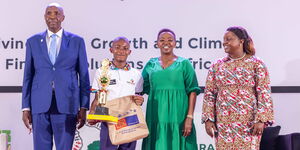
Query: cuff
x,y
26,109
83,108
206,117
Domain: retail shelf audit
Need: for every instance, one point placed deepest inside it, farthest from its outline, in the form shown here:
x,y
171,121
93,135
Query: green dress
x,y
167,104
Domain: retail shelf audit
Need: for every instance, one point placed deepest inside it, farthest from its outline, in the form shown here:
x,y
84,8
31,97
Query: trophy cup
x,y
102,112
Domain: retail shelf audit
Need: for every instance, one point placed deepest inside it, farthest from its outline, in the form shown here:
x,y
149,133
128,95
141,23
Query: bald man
x,y
55,94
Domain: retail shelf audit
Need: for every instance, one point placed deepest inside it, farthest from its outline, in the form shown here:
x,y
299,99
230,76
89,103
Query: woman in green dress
x,y
172,86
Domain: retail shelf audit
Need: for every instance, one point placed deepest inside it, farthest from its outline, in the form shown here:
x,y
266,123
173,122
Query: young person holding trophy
x,y
113,80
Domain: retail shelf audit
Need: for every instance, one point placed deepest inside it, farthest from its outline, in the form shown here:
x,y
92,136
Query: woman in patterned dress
x,y
237,99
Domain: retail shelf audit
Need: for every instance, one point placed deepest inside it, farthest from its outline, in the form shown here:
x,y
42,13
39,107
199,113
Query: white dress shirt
x,y
122,82
58,39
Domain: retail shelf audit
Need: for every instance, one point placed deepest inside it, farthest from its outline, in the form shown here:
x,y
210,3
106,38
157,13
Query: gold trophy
x,y
102,112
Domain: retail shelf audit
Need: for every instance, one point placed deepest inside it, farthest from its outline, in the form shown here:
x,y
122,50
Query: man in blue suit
x,y
56,84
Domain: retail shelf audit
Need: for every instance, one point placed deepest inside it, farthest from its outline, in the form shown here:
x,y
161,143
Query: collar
x,y
127,67
59,33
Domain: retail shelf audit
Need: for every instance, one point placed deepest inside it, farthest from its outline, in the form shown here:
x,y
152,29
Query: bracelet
x,y
190,116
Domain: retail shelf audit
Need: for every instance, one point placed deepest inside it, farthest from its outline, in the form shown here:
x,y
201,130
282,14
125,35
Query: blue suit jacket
x,y
69,75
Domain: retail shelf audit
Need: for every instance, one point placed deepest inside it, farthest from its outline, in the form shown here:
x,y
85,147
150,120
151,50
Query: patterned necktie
x,y
52,48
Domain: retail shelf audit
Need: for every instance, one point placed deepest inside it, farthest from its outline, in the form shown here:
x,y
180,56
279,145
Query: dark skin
x,y
188,122
27,119
120,50
166,43
54,16
234,47
209,125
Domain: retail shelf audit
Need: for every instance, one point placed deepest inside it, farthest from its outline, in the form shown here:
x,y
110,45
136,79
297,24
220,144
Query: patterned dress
x,y
237,95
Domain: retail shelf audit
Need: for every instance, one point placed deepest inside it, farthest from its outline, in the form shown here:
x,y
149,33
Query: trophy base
x,y
101,110
104,118
101,114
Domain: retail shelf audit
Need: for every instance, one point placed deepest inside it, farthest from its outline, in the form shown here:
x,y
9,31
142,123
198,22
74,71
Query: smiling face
x,y
166,42
232,44
54,16
120,50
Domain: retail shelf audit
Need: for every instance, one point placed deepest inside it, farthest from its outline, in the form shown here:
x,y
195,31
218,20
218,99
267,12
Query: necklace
x,y
237,58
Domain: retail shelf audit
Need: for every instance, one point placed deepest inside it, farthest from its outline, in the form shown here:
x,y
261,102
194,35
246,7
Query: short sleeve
x,y
139,84
190,78
95,85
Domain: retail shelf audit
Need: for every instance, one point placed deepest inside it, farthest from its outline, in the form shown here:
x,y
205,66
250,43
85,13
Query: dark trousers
x,y
105,143
53,124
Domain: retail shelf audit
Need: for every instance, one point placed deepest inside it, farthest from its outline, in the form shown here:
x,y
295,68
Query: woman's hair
x,y
242,34
166,30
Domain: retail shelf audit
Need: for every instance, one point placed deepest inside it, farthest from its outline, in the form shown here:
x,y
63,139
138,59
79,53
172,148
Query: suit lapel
x,y
44,47
63,47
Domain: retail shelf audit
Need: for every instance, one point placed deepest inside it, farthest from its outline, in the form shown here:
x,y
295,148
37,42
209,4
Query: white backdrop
x,y
273,26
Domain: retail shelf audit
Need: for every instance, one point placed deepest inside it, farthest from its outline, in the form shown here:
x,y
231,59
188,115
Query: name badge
x,y
112,82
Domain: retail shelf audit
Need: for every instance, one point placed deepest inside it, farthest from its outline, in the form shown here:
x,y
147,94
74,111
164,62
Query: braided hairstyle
x,y
242,34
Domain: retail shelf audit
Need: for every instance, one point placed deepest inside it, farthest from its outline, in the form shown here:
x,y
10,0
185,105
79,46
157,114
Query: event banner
x,y
199,26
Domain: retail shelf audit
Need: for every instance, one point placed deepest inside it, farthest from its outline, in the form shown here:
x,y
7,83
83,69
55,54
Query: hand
x,y
258,128
92,111
81,118
210,128
139,100
92,122
187,128
27,120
